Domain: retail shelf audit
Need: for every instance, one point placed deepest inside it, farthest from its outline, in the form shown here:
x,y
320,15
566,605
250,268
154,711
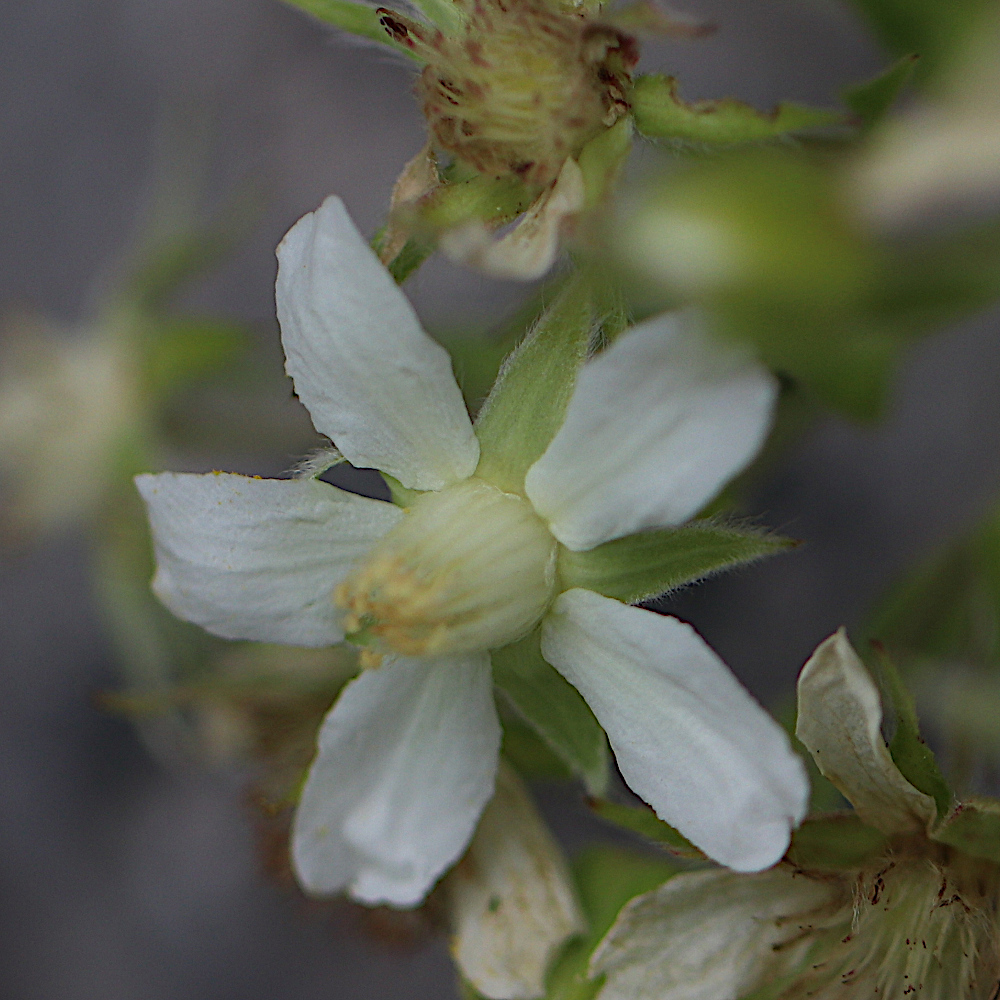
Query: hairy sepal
x,y
650,563
554,709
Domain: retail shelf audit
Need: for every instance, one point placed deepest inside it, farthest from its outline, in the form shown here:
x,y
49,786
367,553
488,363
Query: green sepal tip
x,y
660,113
650,563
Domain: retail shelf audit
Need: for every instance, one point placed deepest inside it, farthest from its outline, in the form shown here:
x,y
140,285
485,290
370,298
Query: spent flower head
x,y
520,85
506,555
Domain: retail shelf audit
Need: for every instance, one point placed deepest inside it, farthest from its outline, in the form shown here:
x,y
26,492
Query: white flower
x,y
912,915
408,756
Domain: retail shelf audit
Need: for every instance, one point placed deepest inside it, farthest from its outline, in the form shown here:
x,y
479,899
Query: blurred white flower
x,y
408,755
67,402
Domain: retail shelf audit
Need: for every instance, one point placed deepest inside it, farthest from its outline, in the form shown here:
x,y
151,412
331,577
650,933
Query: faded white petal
x,y
372,380
712,935
656,426
528,251
840,722
688,737
258,559
511,898
406,762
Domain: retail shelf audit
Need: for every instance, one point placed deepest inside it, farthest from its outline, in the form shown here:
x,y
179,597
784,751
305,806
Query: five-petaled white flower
x,y
408,755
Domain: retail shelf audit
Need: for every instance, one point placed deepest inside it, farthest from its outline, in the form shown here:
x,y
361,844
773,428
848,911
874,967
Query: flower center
x,y
521,86
469,568
917,925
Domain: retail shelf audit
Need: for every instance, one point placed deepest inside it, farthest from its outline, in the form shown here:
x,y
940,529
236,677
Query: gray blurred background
x,y
118,880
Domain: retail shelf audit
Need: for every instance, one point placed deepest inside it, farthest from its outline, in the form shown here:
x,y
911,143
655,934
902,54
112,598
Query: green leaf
x,y
645,565
554,708
356,18
606,878
661,114
643,821
973,827
911,755
528,402
183,349
836,842
871,100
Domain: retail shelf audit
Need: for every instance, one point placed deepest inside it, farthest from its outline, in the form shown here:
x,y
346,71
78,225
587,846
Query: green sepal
x,y
973,827
643,821
836,842
554,709
602,159
606,879
491,200
871,101
443,14
401,496
526,751
477,355
529,399
415,251
179,350
641,566
915,760
355,18
660,113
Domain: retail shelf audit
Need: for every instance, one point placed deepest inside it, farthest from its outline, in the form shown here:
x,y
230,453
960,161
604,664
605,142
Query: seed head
x,y
521,86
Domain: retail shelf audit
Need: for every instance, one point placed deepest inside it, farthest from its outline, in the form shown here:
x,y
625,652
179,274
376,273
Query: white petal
x,y
688,737
656,426
528,251
511,898
406,762
258,558
840,722
372,380
712,935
